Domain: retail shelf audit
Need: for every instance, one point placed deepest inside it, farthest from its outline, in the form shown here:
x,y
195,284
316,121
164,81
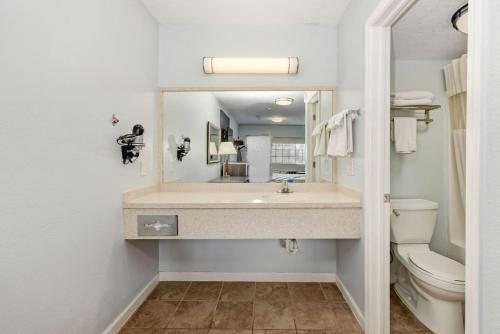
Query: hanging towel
x,y
414,95
405,134
319,135
417,102
340,143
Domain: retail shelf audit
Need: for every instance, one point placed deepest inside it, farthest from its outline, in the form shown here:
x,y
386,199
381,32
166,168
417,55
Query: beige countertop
x,y
267,198
245,211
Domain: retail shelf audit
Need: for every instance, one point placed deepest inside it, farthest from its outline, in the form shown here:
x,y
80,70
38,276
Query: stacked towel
x,y
416,102
340,142
319,134
412,98
404,134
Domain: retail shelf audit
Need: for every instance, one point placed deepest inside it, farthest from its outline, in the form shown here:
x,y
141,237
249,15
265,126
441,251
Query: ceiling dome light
x,y
277,119
283,101
459,19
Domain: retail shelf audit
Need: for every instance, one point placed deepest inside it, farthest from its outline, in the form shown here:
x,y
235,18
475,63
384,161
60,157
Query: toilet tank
x,y
413,221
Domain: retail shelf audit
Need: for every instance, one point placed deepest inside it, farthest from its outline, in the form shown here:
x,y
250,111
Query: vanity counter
x,y
242,200
249,211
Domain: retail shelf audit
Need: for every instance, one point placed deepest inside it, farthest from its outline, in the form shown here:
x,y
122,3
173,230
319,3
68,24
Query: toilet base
x,y
442,317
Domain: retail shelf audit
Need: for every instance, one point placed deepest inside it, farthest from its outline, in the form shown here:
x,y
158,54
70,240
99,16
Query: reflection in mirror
x,y
213,140
246,136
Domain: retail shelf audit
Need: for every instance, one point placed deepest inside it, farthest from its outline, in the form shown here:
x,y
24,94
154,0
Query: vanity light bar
x,y
213,65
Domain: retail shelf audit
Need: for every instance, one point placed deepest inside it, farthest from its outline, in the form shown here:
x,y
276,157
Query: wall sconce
x,y
184,148
214,65
131,144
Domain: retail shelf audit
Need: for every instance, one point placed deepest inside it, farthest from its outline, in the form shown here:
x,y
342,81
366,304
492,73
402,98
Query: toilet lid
x,y
439,266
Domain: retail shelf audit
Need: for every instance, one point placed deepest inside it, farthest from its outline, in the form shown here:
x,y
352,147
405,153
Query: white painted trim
x,y
473,168
248,277
376,181
247,88
122,318
352,303
388,12
377,168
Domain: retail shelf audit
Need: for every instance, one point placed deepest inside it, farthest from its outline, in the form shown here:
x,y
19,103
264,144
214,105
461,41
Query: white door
x,y
259,158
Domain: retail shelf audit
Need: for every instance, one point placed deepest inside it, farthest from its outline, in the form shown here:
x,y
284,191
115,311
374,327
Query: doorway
x,y
377,195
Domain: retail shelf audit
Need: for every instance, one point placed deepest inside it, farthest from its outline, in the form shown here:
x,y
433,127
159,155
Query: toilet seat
x,y
437,270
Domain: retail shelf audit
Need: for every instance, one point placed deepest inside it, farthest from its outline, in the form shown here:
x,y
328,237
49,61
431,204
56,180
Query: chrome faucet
x,y
284,188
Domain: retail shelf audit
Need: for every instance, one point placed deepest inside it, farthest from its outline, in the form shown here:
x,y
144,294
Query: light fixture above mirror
x,y
460,19
215,65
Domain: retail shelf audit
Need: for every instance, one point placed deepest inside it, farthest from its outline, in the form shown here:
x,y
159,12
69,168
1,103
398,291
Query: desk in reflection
x,y
230,179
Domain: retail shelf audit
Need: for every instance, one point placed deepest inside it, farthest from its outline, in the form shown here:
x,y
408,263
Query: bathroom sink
x,y
287,197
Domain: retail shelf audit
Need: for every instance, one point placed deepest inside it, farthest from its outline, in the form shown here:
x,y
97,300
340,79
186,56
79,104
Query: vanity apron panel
x,y
275,223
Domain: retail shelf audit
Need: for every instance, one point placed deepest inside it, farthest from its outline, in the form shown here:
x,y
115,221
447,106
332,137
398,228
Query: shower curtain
x,y
456,87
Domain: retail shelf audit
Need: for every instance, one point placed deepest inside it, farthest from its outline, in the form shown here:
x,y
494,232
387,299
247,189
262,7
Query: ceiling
x,y
259,107
425,32
247,11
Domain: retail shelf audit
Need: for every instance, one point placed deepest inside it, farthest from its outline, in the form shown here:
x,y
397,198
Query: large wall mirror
x,y
246,136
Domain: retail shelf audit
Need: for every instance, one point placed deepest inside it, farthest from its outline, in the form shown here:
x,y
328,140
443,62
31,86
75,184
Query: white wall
x,y
294,131
187,114
246,256
350,259
183,46
489,292
424,174
66,67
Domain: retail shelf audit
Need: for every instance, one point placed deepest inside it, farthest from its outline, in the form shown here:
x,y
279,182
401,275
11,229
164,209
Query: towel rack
x,y
426,108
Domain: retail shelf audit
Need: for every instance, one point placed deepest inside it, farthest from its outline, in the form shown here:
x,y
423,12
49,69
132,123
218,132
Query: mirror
x,y
213,141
246,136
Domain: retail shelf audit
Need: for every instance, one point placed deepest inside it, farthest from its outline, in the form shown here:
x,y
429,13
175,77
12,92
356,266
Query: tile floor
x,y
264,308
242,307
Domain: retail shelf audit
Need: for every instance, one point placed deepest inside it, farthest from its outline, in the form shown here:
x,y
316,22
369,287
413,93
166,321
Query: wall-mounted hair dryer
x,y
131,144
184,148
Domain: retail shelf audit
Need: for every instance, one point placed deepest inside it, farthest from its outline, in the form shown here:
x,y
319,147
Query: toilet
x,y
431,285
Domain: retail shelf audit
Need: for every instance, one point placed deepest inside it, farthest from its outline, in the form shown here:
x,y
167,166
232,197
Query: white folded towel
x,y
405,134
416,102
319,135
414,95
340,142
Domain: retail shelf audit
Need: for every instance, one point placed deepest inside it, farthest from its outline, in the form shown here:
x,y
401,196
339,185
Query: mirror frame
x,y
161,115
211,126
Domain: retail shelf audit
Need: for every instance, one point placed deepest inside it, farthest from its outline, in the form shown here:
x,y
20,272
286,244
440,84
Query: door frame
x,y
377,168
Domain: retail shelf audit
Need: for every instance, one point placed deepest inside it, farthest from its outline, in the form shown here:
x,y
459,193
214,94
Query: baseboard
x,y
247,277
122,318
352,303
